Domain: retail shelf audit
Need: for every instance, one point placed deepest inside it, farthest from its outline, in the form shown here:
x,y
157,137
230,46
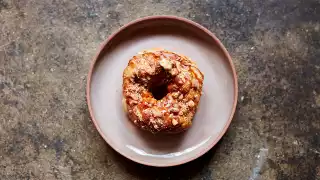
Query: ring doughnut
x,y
161,91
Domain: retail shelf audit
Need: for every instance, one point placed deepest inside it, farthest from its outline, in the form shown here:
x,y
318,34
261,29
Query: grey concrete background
x,y
45,51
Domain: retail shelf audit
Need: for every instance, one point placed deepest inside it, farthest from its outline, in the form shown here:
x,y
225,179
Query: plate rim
x,y
163,17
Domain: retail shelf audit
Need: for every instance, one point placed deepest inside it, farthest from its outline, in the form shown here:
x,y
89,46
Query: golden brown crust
x,y
174,112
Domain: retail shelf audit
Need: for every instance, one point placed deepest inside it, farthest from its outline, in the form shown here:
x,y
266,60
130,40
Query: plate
x,y
217,104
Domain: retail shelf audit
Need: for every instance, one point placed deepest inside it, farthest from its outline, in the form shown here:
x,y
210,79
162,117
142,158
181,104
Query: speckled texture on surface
x,y
45,51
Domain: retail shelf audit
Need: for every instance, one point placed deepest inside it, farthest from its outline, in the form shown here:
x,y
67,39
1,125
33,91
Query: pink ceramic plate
x,y
217,104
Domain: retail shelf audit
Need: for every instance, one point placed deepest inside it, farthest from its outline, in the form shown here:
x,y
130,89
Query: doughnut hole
x,y
159,92
158,84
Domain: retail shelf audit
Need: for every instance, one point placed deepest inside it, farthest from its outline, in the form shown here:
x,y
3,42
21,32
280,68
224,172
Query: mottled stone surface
x,y
45,51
